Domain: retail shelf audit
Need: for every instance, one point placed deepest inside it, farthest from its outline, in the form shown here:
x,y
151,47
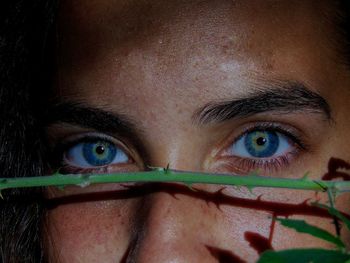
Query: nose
x,y
172,229
174,225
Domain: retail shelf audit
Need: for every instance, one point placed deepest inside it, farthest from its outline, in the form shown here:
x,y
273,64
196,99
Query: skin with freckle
x,y
158,62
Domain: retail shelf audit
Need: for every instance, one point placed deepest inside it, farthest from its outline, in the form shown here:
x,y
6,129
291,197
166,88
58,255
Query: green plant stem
x,y
331,196
165,175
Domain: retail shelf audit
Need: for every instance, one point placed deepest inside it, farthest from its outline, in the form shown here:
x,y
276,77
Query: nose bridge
x,y
181,151
170,231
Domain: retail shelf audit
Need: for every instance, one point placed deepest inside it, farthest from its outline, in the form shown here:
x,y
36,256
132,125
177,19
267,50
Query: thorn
x,y
154,168
239,189
254,173
216,201
220,191
60,187
250,189
259,198
189,185
218,206
85,176
166,170
306,176
323,187
305,202
316,203
174,196
57,173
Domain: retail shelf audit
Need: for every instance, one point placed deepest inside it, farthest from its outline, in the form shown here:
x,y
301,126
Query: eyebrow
x,y
98,119
289,97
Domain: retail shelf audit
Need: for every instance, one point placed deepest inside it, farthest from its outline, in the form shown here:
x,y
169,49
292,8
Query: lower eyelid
x,y
122,168
266,167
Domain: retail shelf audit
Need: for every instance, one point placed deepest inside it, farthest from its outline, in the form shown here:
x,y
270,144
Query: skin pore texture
x,y
157,64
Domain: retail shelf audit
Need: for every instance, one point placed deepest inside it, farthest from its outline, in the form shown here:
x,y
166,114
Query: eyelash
x,y
234,164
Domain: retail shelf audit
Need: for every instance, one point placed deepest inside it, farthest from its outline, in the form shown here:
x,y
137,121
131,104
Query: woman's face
x,y
216,86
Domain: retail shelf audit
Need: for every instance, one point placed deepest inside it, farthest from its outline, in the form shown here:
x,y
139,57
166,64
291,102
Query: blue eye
x,y
261,144
95,153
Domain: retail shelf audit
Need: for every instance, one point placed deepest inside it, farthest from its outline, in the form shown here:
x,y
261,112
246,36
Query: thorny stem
x,y
331,195
167,175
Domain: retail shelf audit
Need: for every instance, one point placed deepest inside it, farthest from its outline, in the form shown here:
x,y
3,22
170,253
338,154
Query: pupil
x,y
260,141
100,149
261,144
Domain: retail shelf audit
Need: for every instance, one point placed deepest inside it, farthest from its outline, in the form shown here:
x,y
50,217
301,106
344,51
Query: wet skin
x,y
160,66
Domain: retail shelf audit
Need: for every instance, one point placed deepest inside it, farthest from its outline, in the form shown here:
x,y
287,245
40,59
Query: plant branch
x,y
166,175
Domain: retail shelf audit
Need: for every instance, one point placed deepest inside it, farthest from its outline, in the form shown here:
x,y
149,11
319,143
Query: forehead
x,y
110,50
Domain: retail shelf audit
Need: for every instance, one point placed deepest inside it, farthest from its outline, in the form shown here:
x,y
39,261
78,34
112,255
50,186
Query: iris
x,y
99,153
94,152
261,144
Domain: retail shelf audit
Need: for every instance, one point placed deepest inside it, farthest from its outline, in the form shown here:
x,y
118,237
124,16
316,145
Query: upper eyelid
x,y
86,136
285,129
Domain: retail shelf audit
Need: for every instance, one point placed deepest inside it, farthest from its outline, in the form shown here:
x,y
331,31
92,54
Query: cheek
x,y
94,230
342,204
238,221
249,225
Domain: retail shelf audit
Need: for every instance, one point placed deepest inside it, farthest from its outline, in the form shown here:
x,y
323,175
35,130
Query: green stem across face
x,y
167,175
